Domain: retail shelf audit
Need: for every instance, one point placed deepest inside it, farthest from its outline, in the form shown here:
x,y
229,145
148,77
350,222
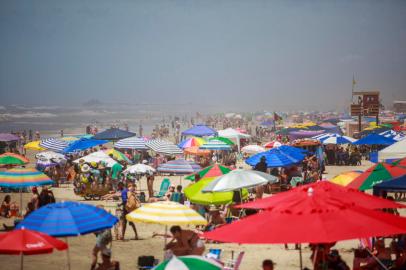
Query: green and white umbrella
x,y
189,263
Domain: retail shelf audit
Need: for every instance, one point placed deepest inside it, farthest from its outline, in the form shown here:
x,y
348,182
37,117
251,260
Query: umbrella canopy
x,y
400,162
337,139
195,151
99,156
189,263
49,155
345,178
200,130
210,171
54,144
223,139
252,149
113,134
397,184
83,144
397,136
29,242
327,191
34,145
195,195
68,219
374,138
191,142
164,147
179,166
117,155
13,159
272,144
394,151
139,169
215,144
69,138
239,179
276,158
375,175
166,213
135,143
8,137
18,178
320,222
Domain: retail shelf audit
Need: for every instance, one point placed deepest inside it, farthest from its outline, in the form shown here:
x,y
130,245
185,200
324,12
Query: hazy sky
x,y
254,54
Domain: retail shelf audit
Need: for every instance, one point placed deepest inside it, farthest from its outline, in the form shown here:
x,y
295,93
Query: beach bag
x,y
132,203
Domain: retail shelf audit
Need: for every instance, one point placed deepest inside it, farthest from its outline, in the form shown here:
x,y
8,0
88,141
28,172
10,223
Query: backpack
x,y
132,202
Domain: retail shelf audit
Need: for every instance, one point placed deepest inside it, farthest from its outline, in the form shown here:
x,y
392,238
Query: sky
x,y
252,55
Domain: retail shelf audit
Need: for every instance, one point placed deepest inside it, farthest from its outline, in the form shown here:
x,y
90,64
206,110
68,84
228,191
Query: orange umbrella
x,y
195,151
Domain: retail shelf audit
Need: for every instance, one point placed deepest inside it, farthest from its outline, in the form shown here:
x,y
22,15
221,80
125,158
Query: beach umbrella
x,y
199,130
375,175
400,162
50,155
117,155
374,138
163,147
252,149
179,166
397,184
189,263
8,137
21,178
337,139
276,158
69,139
210,171
239,179
13,159
223,139
345,178
26,242
272,144
34,145
215,144
191,142
324,135
397,136
327,192
83,144
195,195
54,144
195,151
135,143
99,156
394,151
113,134
139,169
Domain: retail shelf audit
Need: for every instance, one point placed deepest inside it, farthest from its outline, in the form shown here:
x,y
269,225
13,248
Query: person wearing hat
x,y
215,218
107,263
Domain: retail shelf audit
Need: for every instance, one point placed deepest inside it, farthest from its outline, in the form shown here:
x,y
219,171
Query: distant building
x,y
399,106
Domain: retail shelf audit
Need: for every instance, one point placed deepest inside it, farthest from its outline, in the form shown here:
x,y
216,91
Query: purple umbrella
x,y
8,137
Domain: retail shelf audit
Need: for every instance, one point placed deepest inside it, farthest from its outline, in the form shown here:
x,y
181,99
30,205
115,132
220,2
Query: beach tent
x,y
394,151
97,157
113,134
135,143
83,144
397,184
234,135
374,138
199,130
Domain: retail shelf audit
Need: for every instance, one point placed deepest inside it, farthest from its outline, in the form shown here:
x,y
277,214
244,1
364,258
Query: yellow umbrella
x,y
34,145
69,139
345,178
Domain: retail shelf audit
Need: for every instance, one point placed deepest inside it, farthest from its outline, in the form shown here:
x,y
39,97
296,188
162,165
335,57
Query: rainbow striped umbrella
x,y
13,159
191,142
19,178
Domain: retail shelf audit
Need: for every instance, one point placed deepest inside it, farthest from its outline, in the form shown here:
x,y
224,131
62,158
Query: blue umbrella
x,y
374,138
113,134
275,158
295,152
54,144
68,219
83,144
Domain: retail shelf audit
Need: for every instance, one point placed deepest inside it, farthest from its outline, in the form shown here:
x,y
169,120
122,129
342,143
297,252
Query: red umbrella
x,y
400,162
329,191
27,242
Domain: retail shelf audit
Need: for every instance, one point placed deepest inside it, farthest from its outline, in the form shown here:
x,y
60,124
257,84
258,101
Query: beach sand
x,y
127,252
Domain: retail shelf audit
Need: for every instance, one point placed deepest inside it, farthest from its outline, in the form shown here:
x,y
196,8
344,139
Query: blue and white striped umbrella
x,y
397,136
323,136
215,145
163,147
337,139
68,219
135,143
54,144
179,166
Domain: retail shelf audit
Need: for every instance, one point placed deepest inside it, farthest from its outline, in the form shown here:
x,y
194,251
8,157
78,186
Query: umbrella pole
x,y
300,256
166,232
22,261
67,253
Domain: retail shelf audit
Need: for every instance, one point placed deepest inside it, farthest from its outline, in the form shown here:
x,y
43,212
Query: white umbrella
x,y
97,157
233,134
252,149
239,179
50,155
139,169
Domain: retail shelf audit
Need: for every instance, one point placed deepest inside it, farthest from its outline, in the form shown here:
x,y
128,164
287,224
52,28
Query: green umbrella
x,y
10,160
210,171
189,263
224,140
195,195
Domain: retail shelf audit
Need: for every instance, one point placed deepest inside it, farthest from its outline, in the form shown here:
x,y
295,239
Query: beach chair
x,y
234,264
164,188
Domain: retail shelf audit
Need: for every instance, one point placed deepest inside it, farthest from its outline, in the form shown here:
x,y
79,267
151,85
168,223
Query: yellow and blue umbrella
x,y
19,178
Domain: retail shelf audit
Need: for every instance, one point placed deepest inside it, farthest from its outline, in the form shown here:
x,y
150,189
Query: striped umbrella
x,y
215,145
54,144
223,139
345,178
337,139
272,144
195,151
19,178
34,145
13,159
191,142
164,147
135,143
166,213
179,166
189,263
210,171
